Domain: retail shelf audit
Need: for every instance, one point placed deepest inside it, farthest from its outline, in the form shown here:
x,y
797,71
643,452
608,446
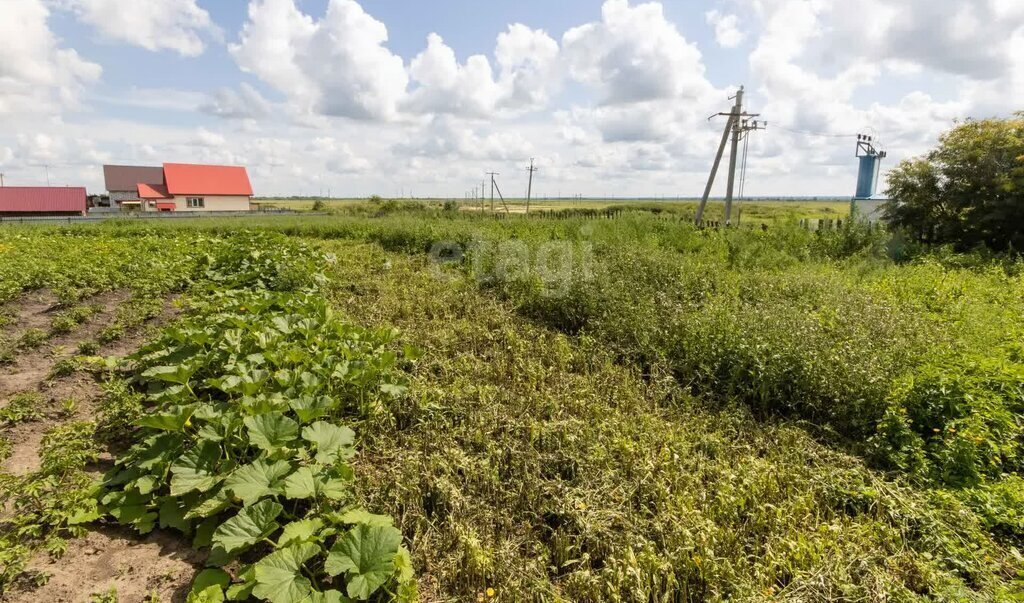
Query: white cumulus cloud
x,y
176,25
337,65
727,29
635,54
37,74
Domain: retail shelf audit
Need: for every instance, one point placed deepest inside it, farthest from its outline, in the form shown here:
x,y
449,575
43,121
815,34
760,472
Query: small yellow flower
x,y
490,592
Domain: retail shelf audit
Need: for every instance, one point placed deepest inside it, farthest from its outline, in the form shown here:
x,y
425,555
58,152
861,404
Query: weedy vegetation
x,y
402,401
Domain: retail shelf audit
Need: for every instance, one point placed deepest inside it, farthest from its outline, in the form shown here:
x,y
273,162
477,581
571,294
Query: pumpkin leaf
x,y
298,531
256,480
248,527
366,555
332,442
196,470
271,431
279,576
173,420
300,484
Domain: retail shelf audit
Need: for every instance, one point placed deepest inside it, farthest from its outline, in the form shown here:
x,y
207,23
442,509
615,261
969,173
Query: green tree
x,y
968,191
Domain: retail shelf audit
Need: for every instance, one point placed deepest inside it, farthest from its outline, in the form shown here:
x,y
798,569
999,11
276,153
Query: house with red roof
x,y
199,188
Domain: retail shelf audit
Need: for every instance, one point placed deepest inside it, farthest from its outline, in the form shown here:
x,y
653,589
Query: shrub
x,y
968,191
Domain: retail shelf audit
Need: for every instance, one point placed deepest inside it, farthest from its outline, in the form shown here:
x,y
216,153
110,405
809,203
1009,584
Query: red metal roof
x,y
42,199
152,191
191,179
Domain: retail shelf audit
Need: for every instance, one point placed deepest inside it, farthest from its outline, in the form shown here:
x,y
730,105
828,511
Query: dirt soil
x,y
108,557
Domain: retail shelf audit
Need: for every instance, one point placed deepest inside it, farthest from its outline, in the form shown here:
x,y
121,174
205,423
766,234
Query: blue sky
x,y
610,96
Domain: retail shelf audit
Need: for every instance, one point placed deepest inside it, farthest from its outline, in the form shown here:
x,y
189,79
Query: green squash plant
x,y
244,446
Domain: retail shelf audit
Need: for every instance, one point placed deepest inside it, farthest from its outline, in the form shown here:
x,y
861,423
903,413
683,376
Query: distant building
x,y
122,183
42,201
191,187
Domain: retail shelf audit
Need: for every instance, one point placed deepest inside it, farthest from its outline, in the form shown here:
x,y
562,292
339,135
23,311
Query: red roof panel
x,y
152,191
42,199
191,179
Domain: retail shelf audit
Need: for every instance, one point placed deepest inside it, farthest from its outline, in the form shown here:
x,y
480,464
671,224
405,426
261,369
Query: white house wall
x,y
212,203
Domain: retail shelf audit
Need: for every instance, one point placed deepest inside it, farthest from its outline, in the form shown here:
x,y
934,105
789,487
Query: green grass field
x,y
574,409
752,211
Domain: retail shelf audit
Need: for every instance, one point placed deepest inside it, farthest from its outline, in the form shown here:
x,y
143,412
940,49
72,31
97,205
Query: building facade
x,y
122,182
198,188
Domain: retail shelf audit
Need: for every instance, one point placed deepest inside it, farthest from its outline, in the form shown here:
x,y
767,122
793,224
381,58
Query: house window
x,y
194,202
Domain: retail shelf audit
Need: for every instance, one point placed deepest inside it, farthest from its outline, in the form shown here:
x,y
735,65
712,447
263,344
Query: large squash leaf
x,y
279,576
254,481
251,525
196,470
333,442
271,431
366,554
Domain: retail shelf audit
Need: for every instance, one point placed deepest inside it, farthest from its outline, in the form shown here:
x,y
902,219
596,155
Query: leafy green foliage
x,y
67,319
367,556
26,406
119,410
240,442
69,447
32,338
968,191
49,505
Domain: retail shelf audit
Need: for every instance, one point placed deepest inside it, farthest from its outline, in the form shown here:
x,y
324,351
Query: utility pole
x,y
492,175
1,179
47,168
483,187
737,126
529,187
733,153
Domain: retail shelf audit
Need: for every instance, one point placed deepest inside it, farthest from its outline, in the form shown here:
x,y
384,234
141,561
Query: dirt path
x,y
108,557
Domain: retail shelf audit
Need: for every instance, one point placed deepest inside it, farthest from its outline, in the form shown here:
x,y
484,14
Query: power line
x,y
810,133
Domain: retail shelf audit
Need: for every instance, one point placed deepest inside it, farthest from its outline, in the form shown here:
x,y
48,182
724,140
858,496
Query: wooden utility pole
x,y
529,187
492,175
737,126
733,155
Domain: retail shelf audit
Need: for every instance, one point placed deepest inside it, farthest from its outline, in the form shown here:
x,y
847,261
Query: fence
x,y
168,215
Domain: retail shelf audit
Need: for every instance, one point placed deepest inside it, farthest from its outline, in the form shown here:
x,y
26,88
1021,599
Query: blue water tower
x,y
870,166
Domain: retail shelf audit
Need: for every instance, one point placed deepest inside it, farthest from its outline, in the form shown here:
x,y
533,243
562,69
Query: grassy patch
x,y
536,464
